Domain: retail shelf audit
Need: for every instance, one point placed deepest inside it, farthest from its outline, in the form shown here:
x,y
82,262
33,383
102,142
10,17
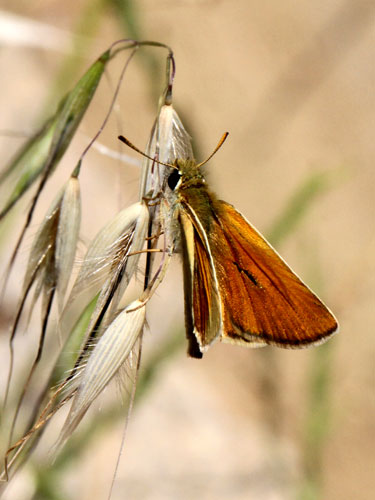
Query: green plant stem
x,y
298,205
318,422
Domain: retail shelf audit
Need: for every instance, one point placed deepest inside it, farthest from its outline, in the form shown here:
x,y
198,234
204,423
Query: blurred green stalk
x,y
84,33
127,15
318,423
318,412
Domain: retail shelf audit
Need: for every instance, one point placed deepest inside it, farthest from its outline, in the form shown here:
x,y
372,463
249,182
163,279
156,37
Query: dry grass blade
x,y
130,260
109,265
107,357
169,140
67,236
52,253
50,262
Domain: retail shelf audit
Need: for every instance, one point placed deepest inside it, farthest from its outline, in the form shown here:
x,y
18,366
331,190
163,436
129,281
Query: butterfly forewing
x,y
262,299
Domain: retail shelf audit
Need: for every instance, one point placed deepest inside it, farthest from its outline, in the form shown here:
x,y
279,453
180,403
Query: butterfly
x,y
237,288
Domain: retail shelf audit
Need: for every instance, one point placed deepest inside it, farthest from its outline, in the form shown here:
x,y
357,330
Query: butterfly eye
x,y
173,179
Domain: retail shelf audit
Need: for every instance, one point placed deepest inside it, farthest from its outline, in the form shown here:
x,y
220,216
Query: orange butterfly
x,y
237,287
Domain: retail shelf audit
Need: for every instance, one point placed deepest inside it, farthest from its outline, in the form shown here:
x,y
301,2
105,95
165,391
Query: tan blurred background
x,y
293,83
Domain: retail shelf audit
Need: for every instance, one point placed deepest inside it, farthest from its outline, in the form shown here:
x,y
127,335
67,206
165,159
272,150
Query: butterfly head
x,y
185,173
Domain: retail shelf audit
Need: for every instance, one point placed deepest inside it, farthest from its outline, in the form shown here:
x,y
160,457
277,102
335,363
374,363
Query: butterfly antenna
x,y
128,143
221,142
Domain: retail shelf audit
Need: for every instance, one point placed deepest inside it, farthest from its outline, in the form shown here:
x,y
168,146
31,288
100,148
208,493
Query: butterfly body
x,y
237,288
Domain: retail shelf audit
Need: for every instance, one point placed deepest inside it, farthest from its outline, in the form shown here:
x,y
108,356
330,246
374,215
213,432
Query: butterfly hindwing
x,y
202,302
